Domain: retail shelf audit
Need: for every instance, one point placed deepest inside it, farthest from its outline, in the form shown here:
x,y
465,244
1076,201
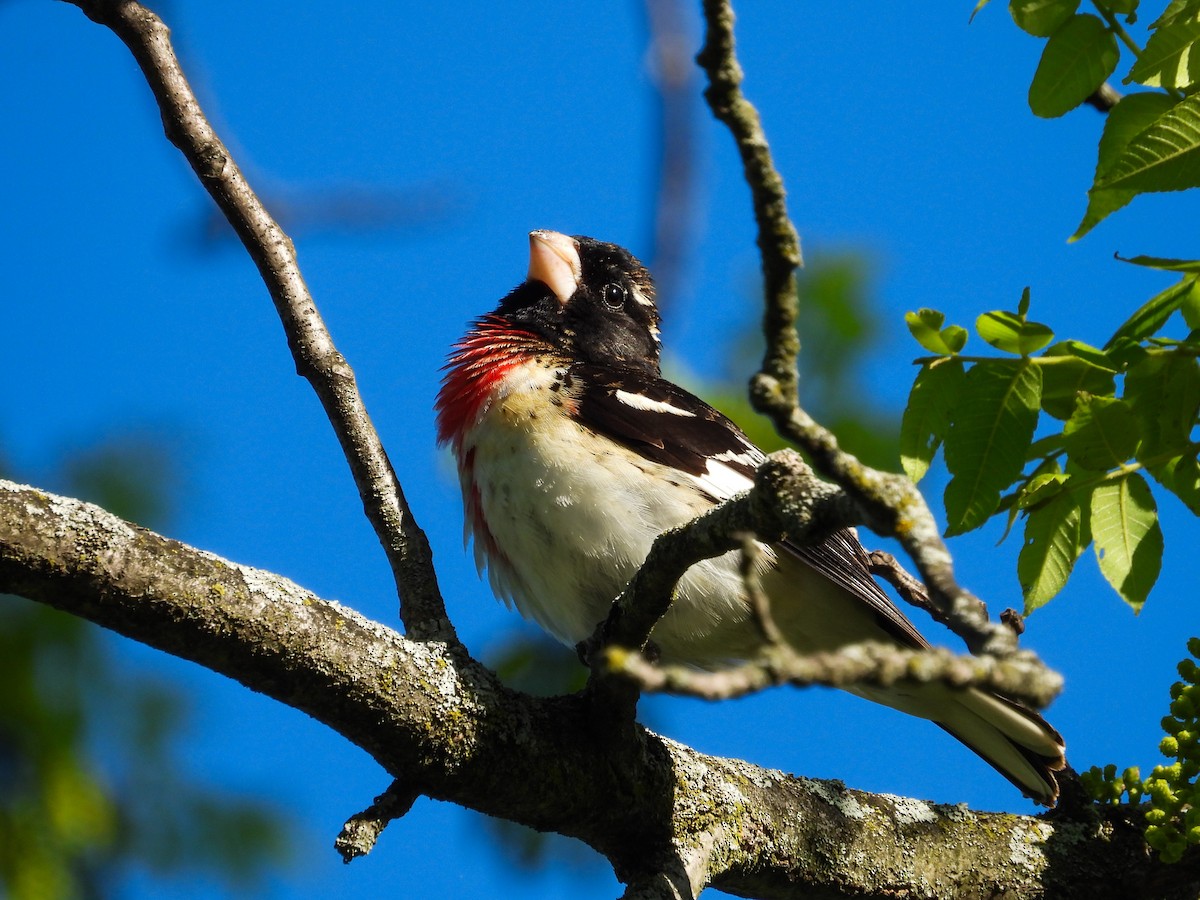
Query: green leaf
x,y
1152,314
986,444
1169,59
1163,157
1041,487
1102,433
1163,390
1176,10
1012,334
926,327
1181,476
1134,114
1163,263
1041,17
980,4
1129,542
927,415
1053,541
1076,60
1190,308
1076,367
1046,446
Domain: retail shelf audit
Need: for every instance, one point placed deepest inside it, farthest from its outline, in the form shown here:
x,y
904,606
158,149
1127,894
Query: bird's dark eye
x,y
614,296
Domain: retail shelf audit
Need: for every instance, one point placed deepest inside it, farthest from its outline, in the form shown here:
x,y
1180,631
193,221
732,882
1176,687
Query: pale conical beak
x,y
554,261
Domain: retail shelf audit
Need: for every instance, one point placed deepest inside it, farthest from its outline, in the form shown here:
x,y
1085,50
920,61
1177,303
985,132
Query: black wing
x,y
664,423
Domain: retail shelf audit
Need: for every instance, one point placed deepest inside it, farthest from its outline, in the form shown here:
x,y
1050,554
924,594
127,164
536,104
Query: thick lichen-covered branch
x,y
317,359
439,721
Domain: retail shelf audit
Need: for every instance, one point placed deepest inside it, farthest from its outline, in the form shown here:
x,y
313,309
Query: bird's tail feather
x,y
1017,742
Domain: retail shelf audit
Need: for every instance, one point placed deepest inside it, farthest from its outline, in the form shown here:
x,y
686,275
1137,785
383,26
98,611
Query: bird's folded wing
x,y
666,424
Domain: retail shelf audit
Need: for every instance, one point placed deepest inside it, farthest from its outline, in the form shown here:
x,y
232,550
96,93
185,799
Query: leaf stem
x,y
1117,28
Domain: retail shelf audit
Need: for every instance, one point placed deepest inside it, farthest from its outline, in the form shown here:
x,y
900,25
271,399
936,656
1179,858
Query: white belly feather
x,y
570,532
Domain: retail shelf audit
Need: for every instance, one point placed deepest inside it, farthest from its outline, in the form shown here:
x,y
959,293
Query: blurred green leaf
x,y
1077,58
538,665
69,825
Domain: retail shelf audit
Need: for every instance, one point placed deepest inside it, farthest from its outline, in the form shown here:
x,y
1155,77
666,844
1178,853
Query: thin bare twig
x,y
760,603
317,359
777,239
887,567
890,504
362,830
880,665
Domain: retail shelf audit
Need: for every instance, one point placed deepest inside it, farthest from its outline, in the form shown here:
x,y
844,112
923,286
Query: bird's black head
x,y
592,300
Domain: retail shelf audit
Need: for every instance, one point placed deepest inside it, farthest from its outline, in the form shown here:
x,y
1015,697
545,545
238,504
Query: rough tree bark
x,y
671,820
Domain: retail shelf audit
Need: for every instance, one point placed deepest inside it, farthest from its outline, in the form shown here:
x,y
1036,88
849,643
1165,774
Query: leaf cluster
x,y
1151,139
1063,434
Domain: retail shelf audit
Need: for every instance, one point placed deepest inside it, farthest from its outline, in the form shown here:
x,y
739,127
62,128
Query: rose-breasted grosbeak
x,y
575,454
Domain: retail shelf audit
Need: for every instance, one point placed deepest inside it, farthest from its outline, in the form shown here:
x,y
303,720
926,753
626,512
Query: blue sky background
x,y
900,131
